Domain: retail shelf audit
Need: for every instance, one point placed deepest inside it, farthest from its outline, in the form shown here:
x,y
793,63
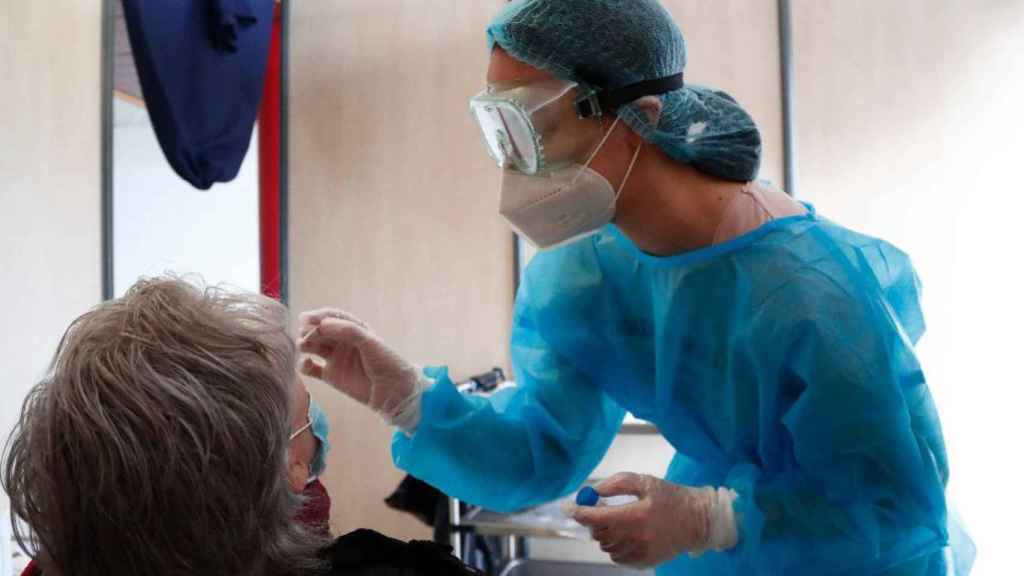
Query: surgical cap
x,y
610,44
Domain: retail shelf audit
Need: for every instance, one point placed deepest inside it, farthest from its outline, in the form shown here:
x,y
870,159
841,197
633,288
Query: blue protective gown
x,y
780,364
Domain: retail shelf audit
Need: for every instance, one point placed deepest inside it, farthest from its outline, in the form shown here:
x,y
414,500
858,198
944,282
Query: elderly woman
x,y
158,444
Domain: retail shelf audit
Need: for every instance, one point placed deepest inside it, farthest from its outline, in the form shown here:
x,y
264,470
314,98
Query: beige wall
x,y
394,201
910,127
394,208
733,45
49,183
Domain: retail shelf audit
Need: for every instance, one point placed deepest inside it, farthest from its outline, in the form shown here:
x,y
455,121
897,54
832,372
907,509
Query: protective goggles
x,y
518,124
542,126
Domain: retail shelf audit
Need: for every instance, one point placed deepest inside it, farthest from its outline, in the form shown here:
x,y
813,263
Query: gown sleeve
x,y
523,446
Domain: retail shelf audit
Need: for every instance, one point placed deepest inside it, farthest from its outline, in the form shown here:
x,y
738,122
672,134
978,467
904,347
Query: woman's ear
x,y
651,108
298,474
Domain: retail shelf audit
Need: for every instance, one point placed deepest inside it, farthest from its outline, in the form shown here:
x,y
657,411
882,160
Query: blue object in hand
x,y
587,497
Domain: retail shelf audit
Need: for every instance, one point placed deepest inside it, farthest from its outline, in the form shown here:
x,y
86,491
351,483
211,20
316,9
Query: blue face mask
x,y
320,428
316,422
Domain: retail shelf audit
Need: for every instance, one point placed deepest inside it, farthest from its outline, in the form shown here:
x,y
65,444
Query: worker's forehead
x,y
504,69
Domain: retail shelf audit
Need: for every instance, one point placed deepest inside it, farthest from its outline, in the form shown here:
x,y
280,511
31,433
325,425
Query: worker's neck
x,y
669,208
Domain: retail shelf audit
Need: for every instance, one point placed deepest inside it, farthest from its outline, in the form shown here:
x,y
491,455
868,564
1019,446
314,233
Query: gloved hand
x,y
666,521
349,357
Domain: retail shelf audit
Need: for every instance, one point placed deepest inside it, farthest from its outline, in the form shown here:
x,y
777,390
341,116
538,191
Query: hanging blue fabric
x,y
201,64
228,19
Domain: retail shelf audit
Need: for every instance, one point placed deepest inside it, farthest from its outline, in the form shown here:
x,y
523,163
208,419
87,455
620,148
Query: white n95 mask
x,y
556,207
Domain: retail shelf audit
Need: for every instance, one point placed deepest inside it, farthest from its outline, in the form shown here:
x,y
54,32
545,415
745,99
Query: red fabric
x,y
270,168
316,514
32,569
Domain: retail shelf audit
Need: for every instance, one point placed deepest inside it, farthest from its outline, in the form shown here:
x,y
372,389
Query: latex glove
x,y
348,356
667,520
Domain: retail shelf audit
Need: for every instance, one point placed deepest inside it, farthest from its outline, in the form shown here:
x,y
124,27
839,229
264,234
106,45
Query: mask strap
x,y
300,430
309,421
596,150
600,144
629,171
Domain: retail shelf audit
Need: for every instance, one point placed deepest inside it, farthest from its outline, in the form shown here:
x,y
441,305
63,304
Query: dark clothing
x,y
369,553
365,552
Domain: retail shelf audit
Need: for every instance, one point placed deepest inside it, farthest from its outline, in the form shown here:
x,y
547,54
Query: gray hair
x,y
157,442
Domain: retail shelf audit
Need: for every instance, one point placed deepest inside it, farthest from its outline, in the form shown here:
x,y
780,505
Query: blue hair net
x,y
610,44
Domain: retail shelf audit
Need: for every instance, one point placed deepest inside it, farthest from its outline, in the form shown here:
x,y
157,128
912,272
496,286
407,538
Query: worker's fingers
x,y
312,318
332,335
635,555
624,483
343,331
587,516
627,517
315,346
310,368
619,548
597,517
601,534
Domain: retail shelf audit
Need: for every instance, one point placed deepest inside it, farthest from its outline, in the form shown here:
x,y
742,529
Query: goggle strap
x,y
595,102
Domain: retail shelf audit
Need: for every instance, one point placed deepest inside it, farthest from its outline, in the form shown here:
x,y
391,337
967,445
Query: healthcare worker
x,y
773,348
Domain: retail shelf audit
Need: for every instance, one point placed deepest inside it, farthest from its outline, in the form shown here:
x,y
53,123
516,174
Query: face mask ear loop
x,y
596,150
295,434
309,420
629,171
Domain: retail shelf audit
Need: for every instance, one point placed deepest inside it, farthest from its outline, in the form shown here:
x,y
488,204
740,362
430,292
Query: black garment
x,y
423,501
369,553
431,507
